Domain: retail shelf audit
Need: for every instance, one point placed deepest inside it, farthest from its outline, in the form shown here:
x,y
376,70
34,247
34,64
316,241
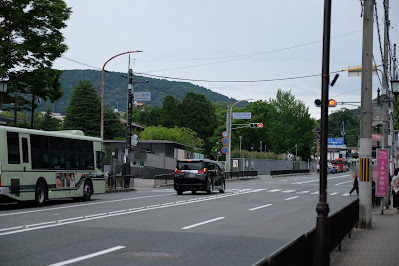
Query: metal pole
x,y
365,149
228,129
322,233
102,90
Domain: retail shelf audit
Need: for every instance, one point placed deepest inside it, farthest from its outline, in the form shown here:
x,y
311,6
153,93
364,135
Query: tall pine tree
x,y
84,109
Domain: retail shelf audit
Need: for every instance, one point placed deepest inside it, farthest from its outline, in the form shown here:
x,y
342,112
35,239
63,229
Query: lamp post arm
x,y
102,90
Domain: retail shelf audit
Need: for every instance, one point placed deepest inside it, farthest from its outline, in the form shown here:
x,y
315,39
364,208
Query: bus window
x,y
13,148
25,154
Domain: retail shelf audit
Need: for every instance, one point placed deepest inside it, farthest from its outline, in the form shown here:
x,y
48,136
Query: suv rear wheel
x,y
209,186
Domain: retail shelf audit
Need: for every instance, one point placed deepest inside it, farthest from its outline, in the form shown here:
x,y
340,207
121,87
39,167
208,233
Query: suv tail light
x,y
177,171
202,171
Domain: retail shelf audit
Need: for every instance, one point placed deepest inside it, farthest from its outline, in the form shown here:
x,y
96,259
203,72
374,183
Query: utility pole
x,y
322,238
365,149
228,129
128,145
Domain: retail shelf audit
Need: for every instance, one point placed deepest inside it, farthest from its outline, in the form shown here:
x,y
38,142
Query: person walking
x,y
395,190
355,181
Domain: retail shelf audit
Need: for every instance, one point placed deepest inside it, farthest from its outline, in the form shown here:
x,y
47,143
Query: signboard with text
x,y
241,115
142,96
382,176
335,143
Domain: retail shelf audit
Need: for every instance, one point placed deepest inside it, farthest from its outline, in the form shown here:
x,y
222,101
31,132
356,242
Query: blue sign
x,y
241,115
225,141
142,96
335,142
224,150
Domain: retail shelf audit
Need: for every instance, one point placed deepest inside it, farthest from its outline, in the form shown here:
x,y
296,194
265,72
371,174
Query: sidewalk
x,y
376,246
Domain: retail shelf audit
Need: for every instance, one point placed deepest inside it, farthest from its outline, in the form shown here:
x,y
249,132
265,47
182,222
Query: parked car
x,y
198,175
331,169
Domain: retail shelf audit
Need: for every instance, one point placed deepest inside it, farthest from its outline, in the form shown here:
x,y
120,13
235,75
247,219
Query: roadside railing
x,y
240,174
163,179
301,250
289,172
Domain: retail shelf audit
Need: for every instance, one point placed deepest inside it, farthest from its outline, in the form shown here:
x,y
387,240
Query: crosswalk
x,y
275,190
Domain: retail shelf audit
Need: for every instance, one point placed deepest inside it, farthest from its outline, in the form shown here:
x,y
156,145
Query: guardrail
x,y
289,172
163,179
240,174
301,250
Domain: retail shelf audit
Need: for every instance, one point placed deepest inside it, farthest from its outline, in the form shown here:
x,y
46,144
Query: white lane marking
x,y
274,190
315,193
346,194
201,223
84,204
25,228
292,198
260,207
334,193
343,182
287,191
87,256
303,192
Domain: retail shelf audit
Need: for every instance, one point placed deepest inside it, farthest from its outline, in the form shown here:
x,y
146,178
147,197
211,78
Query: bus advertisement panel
x,y
38,165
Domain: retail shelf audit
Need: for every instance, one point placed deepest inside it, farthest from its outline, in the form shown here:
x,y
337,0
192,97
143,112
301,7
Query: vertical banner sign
x,y
382,164
364,170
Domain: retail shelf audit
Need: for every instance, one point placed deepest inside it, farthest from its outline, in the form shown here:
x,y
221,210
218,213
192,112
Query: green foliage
x,y
84,109
351,123
255,155
47,123
290,124
182,135
115,89
113,129
31,39
170,113
198,114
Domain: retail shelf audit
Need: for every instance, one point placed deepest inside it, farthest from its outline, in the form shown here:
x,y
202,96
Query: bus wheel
x,y
87,191
40,194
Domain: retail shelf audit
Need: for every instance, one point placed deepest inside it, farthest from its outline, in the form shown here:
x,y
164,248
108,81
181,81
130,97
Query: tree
x,y
290,125
48,123
198,114
84,109
42,83
351,123
182,135
112,125
31,39
170,113
30,34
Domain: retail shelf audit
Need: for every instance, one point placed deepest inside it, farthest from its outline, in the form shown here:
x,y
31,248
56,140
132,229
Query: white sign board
x,y
241,115
142,96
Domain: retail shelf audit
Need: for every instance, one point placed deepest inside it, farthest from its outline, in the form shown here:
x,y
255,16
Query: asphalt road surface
x,y
248,222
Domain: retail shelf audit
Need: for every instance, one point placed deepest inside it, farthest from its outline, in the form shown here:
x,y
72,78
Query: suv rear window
x,y
190,166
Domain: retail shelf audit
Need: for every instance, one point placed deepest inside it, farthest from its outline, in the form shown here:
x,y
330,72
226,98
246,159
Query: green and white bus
x,y
38,165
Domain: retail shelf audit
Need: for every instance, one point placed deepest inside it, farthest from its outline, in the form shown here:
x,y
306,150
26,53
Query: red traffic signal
x,y
256,125
331,103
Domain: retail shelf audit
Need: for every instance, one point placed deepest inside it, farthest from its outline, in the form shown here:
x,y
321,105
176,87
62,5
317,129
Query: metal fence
x,y
301,251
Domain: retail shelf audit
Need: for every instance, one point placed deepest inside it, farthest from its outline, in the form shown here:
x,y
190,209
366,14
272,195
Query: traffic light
x,y
256,125
331,103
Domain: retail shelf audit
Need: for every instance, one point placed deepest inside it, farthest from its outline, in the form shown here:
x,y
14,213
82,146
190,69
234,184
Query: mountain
x,y
115,89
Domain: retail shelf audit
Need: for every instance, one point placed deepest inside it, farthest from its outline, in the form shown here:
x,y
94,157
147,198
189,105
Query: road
x,y
157,227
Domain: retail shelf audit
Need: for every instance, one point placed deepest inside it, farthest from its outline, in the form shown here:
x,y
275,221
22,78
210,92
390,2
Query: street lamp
x,y
228,127
3,90
102,90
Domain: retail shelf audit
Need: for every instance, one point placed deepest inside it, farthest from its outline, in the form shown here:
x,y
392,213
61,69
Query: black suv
x,y
198,175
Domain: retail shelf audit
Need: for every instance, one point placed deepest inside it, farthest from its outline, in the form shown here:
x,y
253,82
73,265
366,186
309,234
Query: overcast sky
x,y
227,40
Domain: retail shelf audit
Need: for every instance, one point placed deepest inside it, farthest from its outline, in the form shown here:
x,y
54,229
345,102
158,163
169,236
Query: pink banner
x,y
382,165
